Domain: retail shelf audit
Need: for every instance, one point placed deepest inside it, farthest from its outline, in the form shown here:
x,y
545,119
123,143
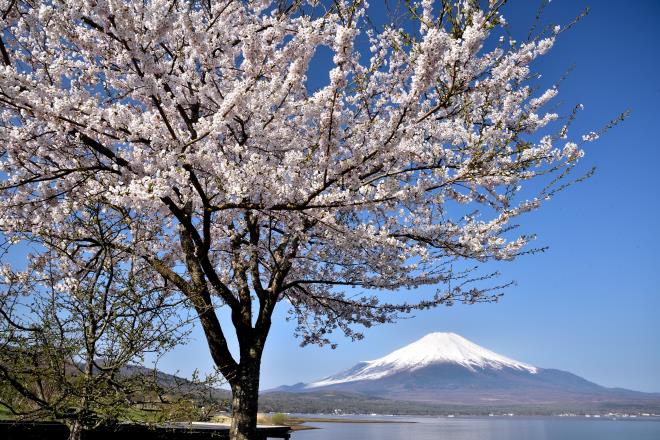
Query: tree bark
x,y
245,401
75,430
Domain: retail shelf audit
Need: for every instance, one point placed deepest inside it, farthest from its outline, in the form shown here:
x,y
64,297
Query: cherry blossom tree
x,y
193,126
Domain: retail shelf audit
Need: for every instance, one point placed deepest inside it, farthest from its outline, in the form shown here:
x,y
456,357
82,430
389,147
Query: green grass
x,y
5,414
279,419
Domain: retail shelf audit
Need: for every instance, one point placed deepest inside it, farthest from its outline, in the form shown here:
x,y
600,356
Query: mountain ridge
x,y
445,368
434,348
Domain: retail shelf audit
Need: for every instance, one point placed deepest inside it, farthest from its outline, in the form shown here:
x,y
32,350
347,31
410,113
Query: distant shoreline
x,y
340,420
300,423
378,418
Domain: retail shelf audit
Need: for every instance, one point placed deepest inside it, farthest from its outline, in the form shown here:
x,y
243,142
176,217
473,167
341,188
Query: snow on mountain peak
x,y
434,348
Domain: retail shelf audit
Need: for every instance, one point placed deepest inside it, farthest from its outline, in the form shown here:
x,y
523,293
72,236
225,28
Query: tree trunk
x,y
75,430
245,401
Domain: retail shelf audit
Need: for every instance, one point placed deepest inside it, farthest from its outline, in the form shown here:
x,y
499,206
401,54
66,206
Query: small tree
x,y
70,326
191,124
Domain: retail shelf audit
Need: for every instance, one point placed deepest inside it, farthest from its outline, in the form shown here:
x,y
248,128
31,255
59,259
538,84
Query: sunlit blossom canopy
x,y
194,130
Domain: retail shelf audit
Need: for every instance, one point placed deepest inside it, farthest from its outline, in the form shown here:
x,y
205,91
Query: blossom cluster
x,y
193,123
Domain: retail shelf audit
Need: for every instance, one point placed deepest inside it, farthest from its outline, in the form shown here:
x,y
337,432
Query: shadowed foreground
x,y
174,431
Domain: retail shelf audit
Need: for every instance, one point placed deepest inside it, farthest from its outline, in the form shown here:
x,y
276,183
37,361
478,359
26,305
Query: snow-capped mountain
x,y
445,368
432,349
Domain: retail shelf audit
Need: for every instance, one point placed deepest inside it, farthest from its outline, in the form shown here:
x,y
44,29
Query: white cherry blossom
x,y
194,126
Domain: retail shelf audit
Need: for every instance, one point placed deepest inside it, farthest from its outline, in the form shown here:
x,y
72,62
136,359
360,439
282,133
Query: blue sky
x,y
591,304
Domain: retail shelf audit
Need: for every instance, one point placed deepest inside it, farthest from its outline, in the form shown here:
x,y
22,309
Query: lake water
x,y
487,428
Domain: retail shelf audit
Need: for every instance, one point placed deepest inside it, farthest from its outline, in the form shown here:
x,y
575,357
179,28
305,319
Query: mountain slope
x,y
432,349
445,368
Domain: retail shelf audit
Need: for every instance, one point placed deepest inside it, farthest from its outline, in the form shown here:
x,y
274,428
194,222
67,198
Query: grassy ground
x,y
299,423
4,413
278,419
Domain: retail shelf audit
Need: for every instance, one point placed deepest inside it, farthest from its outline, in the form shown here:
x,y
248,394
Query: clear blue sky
x,y
591,304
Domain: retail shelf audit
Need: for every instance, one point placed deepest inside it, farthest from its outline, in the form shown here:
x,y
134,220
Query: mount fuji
x,y
445,368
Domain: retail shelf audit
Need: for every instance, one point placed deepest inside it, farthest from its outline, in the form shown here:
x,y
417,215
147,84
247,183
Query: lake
x,y
487,428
